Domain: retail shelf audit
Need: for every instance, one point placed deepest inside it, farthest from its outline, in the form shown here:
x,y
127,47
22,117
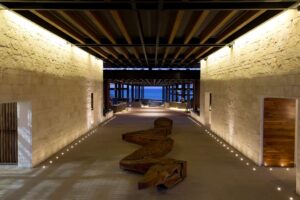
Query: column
x,y
116,90
173,99
183,91
163,93
168,93
132,93
176,93
189,93
127,91
139,92
106,94
197,94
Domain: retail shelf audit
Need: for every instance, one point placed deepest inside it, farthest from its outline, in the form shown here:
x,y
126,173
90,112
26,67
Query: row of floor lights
x,y
70,147
226,146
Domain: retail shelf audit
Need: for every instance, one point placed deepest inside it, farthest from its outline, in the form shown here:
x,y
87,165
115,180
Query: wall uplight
x,y
230,45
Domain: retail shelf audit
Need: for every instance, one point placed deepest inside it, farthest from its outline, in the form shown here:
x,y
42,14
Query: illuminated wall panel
x,y
54,77
264,62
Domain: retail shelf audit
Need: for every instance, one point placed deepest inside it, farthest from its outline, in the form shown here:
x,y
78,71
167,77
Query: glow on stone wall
x,y
270,26
218,56
30,27
53,42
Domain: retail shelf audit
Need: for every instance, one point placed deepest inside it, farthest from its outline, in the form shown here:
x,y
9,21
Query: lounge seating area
x,y
175,104
119,107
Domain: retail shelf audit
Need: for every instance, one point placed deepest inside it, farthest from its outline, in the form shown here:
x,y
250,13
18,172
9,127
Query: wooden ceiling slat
x,y
217,23
176,25
81,26
138,22
159,18
117,18
199,22
102,28
46,16
76,5
234,28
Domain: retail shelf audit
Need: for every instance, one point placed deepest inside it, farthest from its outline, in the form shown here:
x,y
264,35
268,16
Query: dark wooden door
x,y
279,132
8,133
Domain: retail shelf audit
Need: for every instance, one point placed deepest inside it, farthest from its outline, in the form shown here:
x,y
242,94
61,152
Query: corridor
x,y
90,169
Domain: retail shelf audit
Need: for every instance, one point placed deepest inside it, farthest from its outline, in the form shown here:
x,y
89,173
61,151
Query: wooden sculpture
x,y
149,159
163,122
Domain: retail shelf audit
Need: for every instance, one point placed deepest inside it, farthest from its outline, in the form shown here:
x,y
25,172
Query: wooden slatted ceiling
x,y
279,132
109,34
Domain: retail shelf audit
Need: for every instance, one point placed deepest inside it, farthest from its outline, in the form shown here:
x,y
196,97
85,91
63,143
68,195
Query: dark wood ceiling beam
x,y
176,25
231,30
159,75
101,27
138,22
199,22
147,5
216,24
242,22
152,45
159,18
117,18
81,26
46,16
151,57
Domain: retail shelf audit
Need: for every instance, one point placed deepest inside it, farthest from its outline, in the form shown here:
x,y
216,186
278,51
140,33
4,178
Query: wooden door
x,y
8,133
279,132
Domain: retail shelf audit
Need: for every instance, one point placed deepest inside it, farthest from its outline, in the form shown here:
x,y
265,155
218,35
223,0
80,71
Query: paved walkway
x,y
90,170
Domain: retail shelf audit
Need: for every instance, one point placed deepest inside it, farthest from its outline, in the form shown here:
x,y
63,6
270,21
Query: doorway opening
x,y
279,127
8,134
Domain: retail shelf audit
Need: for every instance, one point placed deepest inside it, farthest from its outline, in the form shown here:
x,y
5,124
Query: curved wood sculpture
x,y
148,160
163,122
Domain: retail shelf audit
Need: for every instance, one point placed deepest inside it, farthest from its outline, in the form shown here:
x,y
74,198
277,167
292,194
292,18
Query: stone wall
x,y
265,62
56,78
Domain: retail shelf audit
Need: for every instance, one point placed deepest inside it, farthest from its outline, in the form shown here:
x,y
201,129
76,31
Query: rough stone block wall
x,y
57,79
265,62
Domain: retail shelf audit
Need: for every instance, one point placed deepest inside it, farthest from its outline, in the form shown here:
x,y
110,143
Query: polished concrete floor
x,y
90,169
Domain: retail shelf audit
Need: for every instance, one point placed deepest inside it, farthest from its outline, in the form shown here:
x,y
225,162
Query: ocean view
x,y
151,92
